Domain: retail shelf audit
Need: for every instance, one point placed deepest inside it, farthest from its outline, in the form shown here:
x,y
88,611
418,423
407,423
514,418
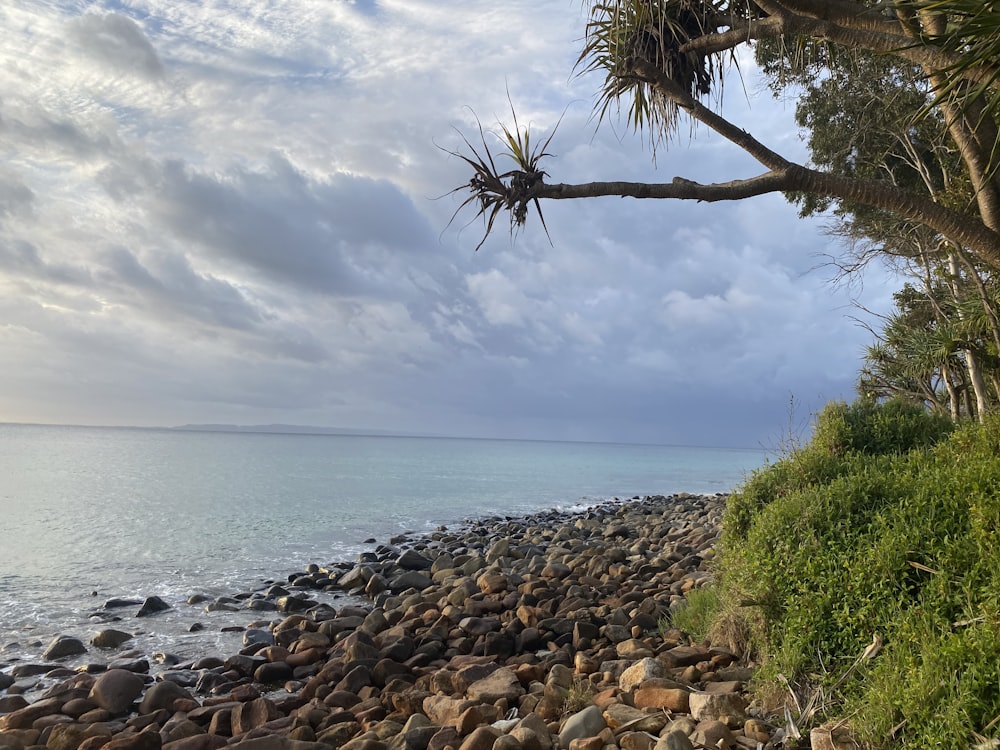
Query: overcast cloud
x,y
236,211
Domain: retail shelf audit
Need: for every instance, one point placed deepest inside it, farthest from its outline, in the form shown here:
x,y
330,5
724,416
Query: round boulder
x,y
116,690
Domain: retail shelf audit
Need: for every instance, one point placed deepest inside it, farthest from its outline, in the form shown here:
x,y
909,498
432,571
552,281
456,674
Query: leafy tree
x,y
660,58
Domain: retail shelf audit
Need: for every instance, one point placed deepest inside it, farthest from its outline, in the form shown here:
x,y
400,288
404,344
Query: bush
x,y
887,524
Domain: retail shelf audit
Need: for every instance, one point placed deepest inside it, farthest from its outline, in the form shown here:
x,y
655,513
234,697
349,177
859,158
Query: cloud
x,y
117,42
233,212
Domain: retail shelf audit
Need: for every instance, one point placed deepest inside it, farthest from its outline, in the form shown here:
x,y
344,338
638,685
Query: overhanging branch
x,y
679,188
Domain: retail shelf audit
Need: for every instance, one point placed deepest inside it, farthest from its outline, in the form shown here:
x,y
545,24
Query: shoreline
x,y
517,620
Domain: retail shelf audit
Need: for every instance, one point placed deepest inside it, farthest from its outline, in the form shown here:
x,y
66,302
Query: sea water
x,y
88,514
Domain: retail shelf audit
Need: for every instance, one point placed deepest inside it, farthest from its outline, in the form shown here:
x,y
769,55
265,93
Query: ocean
x,y
89,514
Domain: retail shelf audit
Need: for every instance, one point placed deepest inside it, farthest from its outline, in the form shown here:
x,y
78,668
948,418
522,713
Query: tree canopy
x,y
900,100
661,58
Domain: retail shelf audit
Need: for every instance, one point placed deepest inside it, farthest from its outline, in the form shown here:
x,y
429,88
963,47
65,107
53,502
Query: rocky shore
x,y
550,632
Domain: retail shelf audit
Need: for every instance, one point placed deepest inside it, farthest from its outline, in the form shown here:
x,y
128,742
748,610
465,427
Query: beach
x,y
505,633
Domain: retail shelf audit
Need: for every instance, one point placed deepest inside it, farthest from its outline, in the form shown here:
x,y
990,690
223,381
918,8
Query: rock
x,y
64,646
586,723
252,714
151,606
255,636
832,737
502,684
671,699
197,742
110,638
674,740
480,739
413,560
708,706
64,737
411,579
637,741
141,741
633,649
643,670
162,695
713,734
619,716
683,656
116,690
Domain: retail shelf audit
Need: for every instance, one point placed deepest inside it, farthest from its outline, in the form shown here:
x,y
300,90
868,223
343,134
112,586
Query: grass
x,y
884,528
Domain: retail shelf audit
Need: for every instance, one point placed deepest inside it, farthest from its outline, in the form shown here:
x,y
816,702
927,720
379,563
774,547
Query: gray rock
x,y
151,606
713,706
411,579
675,740
502,684
413,560
586,723
253,636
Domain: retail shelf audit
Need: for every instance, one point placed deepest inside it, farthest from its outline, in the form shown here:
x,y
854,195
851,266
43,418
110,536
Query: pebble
x,y
531,633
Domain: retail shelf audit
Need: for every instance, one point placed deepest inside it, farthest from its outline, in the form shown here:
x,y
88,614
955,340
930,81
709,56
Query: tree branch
x,y
680,188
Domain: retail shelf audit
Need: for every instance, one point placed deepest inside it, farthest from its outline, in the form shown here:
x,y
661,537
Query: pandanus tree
x,y
660,60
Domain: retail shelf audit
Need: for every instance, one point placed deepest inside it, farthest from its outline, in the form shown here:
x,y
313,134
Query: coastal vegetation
x,y
862,573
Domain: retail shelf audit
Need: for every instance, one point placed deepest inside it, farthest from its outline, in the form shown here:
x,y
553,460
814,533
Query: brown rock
x,y
475,716
65,737
501,685
338,734
197,742
116,690
23,718
671,699
507,742
713,734
587,743
480,739
683,656
162,695
140,741
444,737
633,649
620,716
179,727
636,741
252,714
444,710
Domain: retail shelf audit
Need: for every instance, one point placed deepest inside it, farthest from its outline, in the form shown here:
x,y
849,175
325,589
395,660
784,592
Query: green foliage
x,y
840,433
887,524
700,610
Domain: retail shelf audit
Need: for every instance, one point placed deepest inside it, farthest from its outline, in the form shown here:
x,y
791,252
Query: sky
x,y
239,211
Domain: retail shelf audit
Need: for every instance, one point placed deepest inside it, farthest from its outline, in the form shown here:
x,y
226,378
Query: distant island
x,y
293,429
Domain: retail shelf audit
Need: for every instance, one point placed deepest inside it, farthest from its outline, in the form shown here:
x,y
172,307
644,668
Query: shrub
x,y
886,524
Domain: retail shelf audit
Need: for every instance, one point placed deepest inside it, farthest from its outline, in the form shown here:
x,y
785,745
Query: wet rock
x,y
151,606
110,638
64,646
